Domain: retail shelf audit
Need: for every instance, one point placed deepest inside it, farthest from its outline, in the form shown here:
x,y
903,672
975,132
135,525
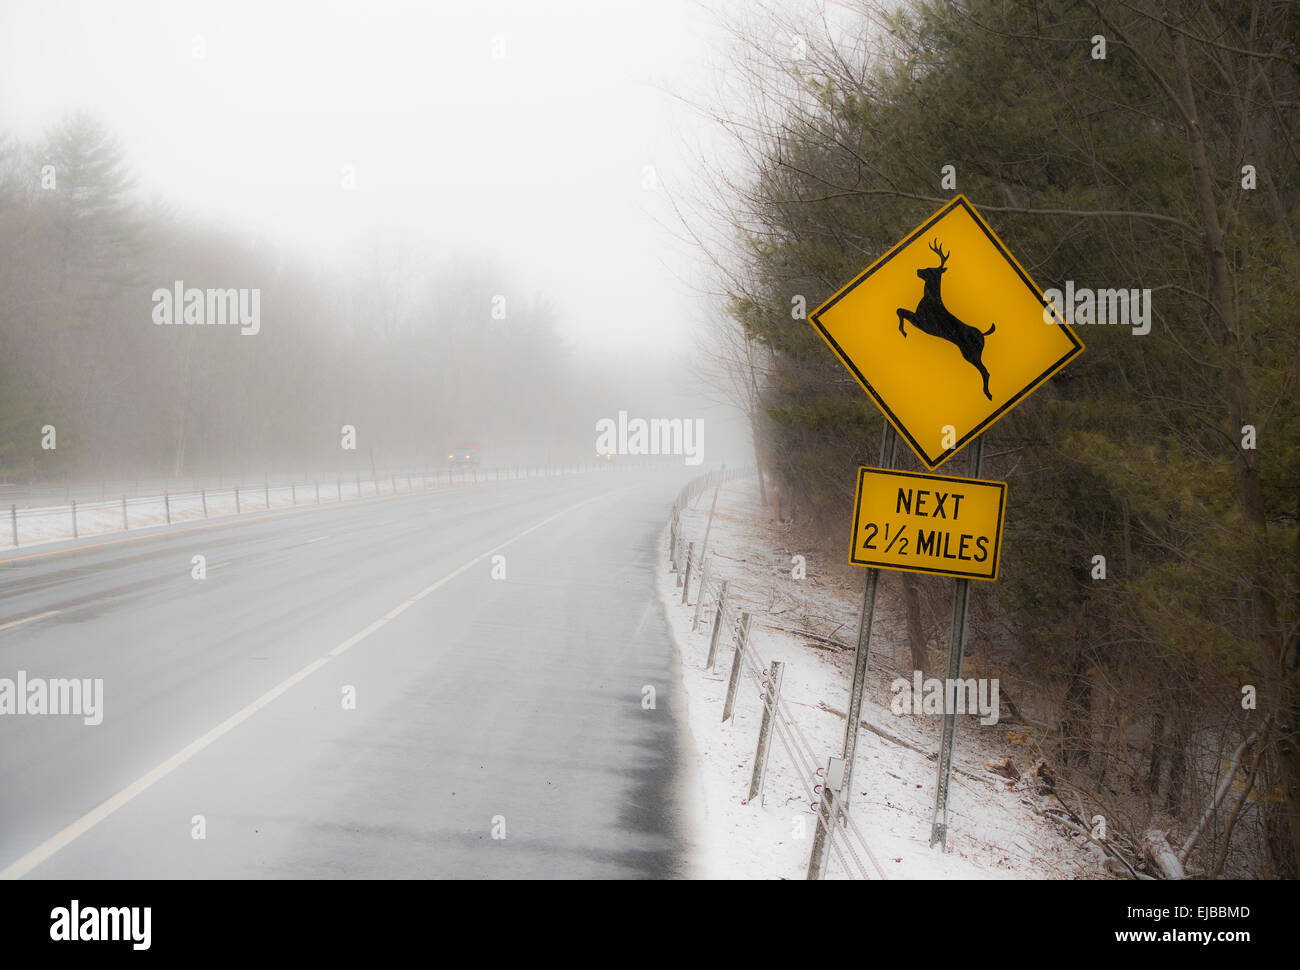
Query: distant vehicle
x,y
464,453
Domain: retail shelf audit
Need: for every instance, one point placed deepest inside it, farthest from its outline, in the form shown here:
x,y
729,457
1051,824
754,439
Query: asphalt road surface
x,y
483,706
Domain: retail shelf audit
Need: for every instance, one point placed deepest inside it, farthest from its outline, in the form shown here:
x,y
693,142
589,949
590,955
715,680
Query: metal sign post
x,y
862,655
956,650
946,333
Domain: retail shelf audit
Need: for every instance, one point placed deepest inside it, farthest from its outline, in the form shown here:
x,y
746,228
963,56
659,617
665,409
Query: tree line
x,y
416,351
1144,145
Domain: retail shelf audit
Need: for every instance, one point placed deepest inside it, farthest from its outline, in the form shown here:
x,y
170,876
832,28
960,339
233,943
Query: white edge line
x,y
28,619
65,836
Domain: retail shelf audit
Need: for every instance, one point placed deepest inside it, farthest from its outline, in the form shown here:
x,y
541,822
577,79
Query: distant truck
x,y
465,453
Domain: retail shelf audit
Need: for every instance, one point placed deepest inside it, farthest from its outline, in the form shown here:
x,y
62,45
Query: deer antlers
x,y
943,257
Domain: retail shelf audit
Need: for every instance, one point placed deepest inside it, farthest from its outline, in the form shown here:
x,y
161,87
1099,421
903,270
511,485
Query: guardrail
x,y
74,519
727,626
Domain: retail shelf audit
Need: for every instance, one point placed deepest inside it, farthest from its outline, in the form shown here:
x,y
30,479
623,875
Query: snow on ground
x,y
993,830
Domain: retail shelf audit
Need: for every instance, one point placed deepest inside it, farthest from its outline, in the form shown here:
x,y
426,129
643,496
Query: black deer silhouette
x,y
932,317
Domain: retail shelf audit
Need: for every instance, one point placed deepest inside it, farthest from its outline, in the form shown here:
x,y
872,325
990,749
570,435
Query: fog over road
x,y
477,698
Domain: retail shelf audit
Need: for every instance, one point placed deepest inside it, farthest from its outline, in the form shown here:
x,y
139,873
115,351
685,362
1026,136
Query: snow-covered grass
x,y
994,830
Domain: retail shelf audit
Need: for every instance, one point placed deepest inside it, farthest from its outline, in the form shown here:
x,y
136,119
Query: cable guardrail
x,y
714,603
77,517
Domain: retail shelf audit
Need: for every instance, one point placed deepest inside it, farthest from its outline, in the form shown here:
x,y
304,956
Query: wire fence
x,y
38,516
715,601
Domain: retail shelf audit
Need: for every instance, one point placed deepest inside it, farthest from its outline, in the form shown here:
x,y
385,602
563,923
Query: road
x,y
483,706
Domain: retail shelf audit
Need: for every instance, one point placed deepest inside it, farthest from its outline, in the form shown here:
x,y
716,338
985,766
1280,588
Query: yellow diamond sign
x,y
946,332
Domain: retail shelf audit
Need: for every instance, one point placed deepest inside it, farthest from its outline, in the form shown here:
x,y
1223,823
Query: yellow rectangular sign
x,y
928,523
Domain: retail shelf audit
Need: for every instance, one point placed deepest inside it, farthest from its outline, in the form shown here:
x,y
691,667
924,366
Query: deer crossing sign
x,y
928,523
946,332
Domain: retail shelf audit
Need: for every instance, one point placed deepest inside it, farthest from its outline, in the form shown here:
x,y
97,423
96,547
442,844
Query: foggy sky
x,y
535,160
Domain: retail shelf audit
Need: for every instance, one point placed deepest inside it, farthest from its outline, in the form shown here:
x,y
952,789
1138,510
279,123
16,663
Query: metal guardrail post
x,y
74,518
699,599
827,810
737,661
712,508
13,521
771,698
203,492
719,620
